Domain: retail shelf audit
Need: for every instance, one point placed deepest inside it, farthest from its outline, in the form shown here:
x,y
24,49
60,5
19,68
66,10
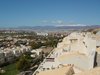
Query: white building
x,y
77,49
42,33
36,52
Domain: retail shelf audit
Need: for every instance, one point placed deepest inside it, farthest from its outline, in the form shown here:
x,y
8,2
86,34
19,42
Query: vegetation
x,y
10,69
35,45
23,63
47,41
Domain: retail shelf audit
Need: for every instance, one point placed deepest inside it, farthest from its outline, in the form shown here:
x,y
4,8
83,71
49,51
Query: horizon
x,y
46,27
17,13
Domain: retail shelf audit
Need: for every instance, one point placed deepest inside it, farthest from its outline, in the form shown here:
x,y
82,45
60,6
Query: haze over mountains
x,y
60,27
53,28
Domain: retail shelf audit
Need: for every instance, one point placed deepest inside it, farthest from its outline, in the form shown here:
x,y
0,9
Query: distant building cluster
x,y
11,48
42,34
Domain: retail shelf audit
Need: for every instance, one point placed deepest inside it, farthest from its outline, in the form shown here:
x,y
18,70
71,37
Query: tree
x,y
35,45
51,43
23,63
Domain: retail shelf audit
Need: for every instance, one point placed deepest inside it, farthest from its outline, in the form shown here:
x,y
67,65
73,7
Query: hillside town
x,y
15,44
70,53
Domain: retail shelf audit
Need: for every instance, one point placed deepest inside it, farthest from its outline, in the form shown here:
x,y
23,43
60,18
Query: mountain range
x,y
54,28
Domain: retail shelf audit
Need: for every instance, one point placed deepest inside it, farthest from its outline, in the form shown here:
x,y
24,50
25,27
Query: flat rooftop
x,y
65,70
79,60
94,71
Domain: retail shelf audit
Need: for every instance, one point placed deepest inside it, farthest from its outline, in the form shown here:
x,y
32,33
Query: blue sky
x,y
15,13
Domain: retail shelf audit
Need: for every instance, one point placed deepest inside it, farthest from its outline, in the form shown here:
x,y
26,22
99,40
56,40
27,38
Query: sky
x,y
16,13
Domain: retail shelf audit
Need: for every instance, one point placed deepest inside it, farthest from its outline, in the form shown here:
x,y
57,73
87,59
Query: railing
x,y
37,71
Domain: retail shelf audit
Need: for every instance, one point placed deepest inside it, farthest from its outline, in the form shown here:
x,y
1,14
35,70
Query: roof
x,y
79,60
95,71
65,70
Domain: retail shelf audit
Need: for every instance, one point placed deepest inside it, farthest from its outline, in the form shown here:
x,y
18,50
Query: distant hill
x,y
55,28
59,27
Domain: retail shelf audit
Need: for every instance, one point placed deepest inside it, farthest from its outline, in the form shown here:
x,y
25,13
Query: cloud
x,y
71,25
60,21
44,21
57,22
53,22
